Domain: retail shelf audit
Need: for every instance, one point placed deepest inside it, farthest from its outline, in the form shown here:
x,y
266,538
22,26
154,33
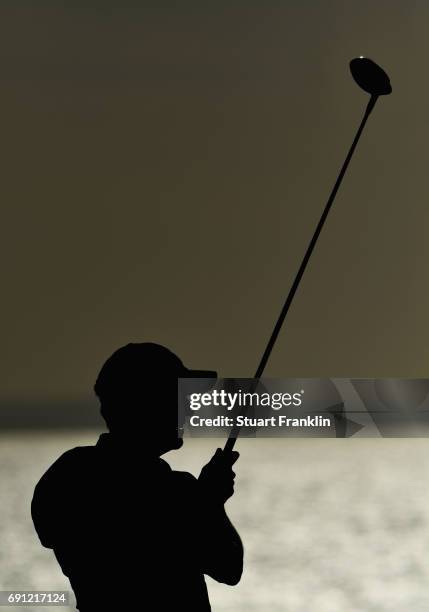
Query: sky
x,y
164,167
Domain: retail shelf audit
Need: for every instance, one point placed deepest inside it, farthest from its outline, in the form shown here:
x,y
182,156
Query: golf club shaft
x,y
277,327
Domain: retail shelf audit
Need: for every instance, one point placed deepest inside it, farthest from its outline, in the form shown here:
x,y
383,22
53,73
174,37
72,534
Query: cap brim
x,y
197,381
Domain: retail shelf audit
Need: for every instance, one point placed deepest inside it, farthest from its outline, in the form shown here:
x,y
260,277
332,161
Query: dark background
x,y
164,165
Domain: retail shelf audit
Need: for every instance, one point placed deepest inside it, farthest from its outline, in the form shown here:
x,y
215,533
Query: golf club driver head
x,y
370,77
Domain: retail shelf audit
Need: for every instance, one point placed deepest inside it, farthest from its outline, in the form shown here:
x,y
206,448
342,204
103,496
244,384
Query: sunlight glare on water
x,y
328,525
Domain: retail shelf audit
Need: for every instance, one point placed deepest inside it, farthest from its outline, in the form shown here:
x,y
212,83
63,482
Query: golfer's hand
x,y
217,477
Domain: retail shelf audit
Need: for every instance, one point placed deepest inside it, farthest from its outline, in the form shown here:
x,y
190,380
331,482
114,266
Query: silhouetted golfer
x,y
127,530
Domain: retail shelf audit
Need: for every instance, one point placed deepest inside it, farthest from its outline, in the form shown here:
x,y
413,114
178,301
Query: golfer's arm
x,y
223,549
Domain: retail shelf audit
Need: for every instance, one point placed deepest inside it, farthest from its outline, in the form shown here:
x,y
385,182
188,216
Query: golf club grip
x,y
235,431
231,440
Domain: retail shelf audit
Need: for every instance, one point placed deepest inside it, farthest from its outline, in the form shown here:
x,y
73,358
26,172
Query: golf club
x,y
372,79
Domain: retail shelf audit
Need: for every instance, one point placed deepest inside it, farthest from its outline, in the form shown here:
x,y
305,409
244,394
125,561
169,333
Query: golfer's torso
x,y
135,539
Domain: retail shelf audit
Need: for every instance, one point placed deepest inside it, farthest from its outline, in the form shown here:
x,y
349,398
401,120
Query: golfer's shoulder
x,y
185,477
71,463
185,481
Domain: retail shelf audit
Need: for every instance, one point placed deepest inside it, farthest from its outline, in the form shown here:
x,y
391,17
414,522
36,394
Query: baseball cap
x,y
133,364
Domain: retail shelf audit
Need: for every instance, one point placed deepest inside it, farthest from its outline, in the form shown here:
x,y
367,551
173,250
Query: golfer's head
x,y
137,388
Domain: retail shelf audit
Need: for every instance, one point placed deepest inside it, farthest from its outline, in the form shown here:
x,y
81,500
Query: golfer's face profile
x,y
156,405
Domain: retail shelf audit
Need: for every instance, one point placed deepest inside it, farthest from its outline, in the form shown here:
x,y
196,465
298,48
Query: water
x,y
328,525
